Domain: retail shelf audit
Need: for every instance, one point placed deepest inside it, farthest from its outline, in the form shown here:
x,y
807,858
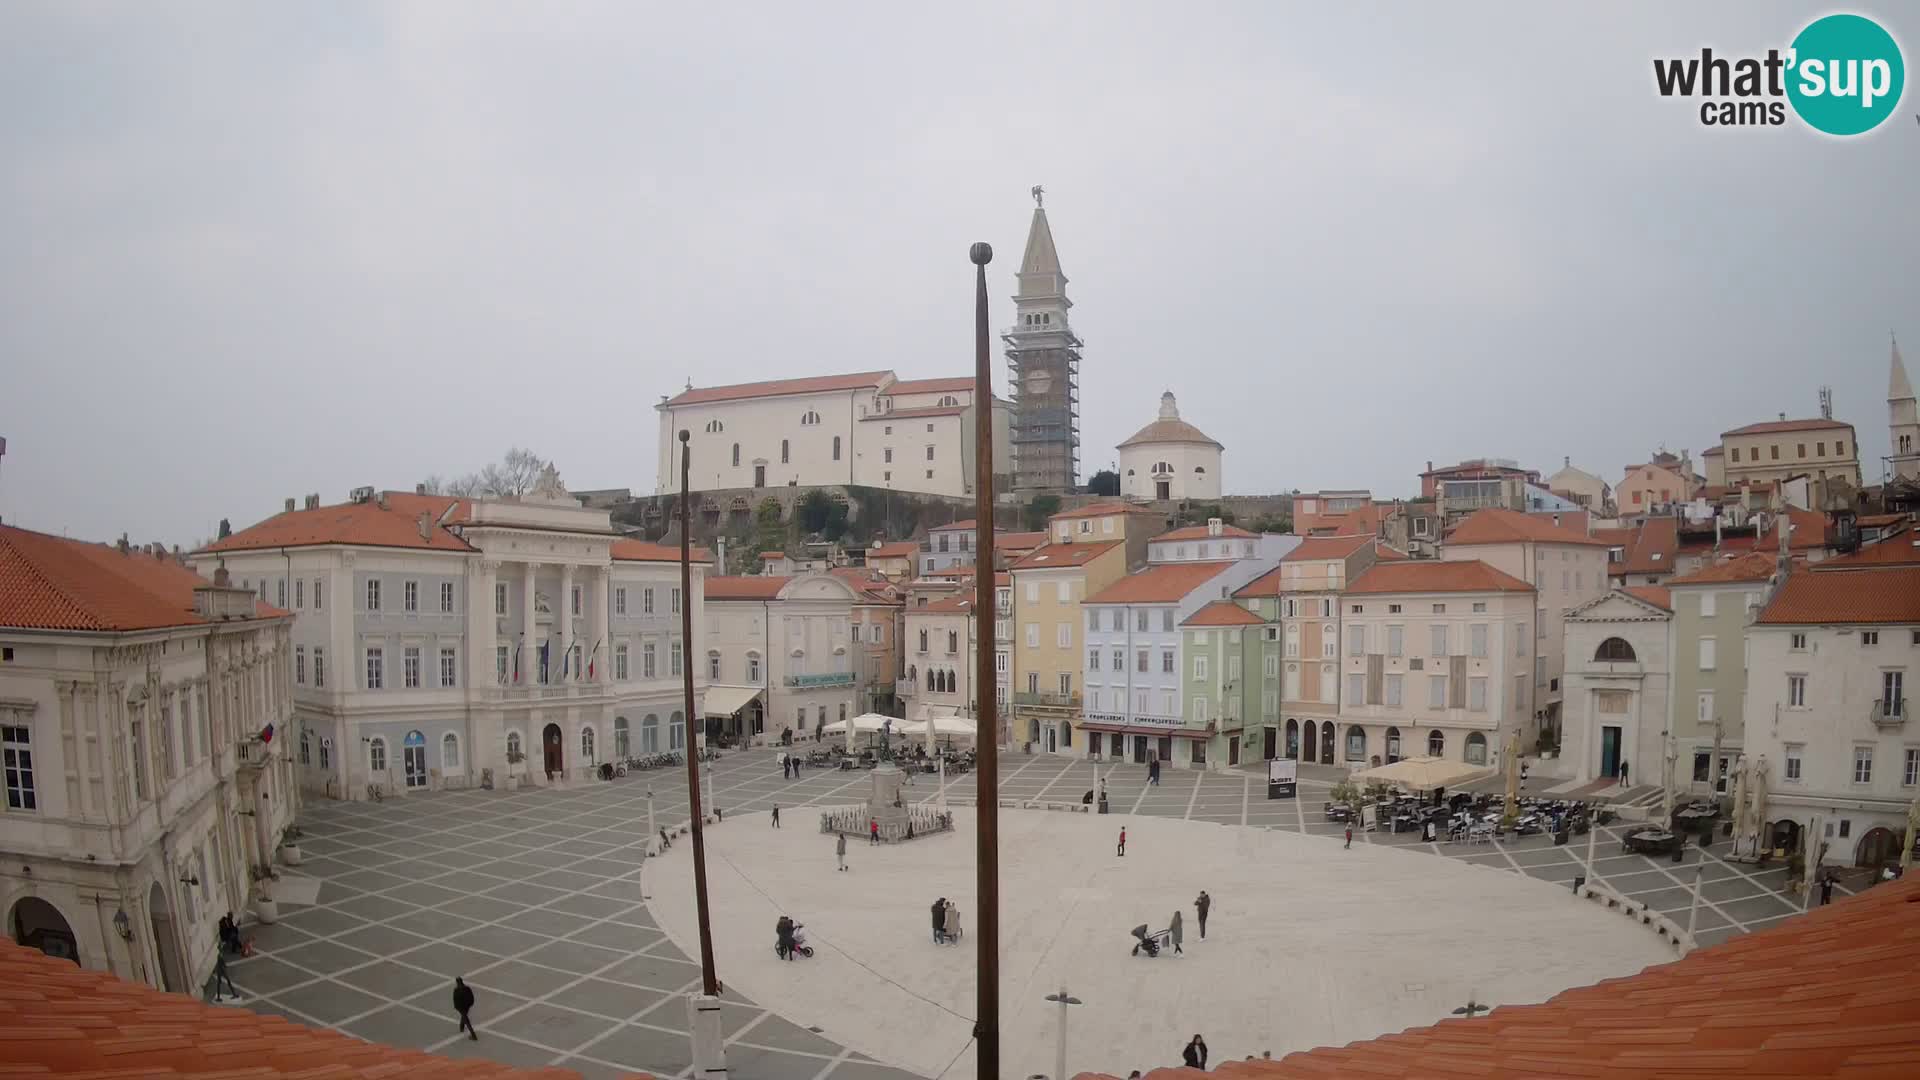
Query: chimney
x,y
122,545
313,501
1783,416
289,506
220,576
1213,526
719,555
1567,460
426,525
419,489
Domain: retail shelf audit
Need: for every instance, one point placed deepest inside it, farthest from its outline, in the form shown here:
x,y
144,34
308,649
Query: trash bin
x,y
1103,804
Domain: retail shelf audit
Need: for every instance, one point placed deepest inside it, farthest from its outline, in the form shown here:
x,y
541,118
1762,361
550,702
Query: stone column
x,y
528,647
484,629
603,625
563,612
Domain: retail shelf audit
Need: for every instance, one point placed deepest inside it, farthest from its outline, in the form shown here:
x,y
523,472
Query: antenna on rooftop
x,y
1826,403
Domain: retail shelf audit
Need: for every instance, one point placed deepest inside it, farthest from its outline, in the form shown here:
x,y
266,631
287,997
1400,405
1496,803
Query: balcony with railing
x,y
251,753
905,688
1888,714
1047,699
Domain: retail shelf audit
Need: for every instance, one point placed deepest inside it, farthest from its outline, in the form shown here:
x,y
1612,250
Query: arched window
x,y
449,752
753,668
949,401
1476,749
736,455
586,745
622,739
306,747
785,452
836,448
326,753
676,732
1614,649
713,664
513,745
1436,744
715,426
1198,469
650,734
377,754
1356,743
809,418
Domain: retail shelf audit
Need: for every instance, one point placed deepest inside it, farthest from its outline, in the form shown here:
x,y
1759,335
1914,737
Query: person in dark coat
x,y
1176,932
940,921
1195,1055
840,850
783,937
1203,904
463,1004
221,977
229,933
776,816
1826,888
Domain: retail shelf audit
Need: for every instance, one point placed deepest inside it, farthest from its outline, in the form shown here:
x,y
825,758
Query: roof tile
x,y
1869,596
52,583
1054,556
1498,526
365,524
1162,583
817,384
1223,613
1771,426
1430,576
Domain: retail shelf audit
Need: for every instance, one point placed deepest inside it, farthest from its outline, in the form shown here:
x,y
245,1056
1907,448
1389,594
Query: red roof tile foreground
x,y
1431,576
1886,595
1827,994
648,551
58,1019
52,583
367,524
819,384
1223,613
1163,583
1497,526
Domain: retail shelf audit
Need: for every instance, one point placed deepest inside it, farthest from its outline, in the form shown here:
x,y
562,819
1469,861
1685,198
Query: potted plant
x,y
264,907
290,846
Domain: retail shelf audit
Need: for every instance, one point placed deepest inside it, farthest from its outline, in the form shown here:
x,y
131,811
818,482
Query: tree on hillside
x,y
1040,509
1104,482
511,477
770,533
1272,523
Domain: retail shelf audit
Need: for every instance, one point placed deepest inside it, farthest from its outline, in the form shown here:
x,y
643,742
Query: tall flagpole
x,y
987,1000
709,1051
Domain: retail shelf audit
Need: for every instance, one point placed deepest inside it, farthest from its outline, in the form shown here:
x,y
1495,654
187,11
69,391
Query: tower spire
x,y
1903,418
1898,388
1043,361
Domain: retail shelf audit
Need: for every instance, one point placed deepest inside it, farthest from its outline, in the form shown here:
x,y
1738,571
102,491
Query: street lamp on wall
x,y
121,925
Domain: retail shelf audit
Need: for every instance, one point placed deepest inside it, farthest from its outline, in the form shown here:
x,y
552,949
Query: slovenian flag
x,y
266,735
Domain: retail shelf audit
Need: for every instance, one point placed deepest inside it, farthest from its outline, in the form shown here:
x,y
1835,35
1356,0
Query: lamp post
x,y
1064,1000
703,1009
1693,906
987,850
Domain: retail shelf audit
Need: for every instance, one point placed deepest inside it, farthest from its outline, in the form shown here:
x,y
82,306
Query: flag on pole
x,y
593,656
516,658
266,734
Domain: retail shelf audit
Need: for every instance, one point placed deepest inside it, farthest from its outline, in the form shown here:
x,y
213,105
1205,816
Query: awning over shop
x,y
1424,773
865,722
727,700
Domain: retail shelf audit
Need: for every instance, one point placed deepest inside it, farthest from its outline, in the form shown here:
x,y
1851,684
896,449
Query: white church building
x,y
1170,459
869,428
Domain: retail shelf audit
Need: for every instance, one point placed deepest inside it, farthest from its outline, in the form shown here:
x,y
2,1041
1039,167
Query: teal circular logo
x,y
1845,74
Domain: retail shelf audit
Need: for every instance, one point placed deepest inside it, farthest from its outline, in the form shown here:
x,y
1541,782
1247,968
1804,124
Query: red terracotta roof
x,y
1753,566
1162,583
1053,556
1267,584
1327,547
1899,549
1828,994
1388,553
1712,451
899,549
1870,521
1199,532
932,386
818,384
1497,526
1652,594
648,551
967,523
909,414
1223,613
958,604
1102,509
1653,548
772,556
366,524
1887,595
1018,541
58,1019
52,583
1771,426
1429,575
759,587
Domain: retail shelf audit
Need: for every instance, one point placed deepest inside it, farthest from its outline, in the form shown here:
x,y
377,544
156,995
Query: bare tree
x,y
433,485
513,475
464,487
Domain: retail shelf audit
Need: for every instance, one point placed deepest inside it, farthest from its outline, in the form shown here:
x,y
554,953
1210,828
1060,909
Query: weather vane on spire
x,y
1038,196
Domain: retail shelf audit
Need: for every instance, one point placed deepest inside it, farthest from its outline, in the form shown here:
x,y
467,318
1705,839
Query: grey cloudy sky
x,y
254,250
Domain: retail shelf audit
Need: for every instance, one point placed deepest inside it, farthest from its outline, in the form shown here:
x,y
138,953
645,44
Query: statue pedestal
x,y
886,802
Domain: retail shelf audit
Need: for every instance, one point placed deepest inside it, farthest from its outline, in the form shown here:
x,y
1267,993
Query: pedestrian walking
x,y
1349,836
1623,774
953,923
463,1004
873,831
220,975
776,816
1202,905
1121,850
840,849
1176,933
1195,1055
1826,889
940,921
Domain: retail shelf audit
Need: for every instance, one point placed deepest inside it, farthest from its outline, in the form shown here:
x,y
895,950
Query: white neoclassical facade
x,y
1170,459
778,655
869,428
1618,686
442,642
142,719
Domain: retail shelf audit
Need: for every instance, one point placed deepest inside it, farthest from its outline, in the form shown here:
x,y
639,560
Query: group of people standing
x,y
946,922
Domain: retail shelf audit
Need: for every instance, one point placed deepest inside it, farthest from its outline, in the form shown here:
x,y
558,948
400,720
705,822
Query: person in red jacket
x,y
1121,850
873,831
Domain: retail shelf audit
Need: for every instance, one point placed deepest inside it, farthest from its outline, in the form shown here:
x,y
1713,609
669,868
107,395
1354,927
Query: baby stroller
x,y
1147,942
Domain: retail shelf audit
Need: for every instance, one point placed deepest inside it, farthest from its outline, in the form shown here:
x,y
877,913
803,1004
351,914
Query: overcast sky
x,y
250,251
